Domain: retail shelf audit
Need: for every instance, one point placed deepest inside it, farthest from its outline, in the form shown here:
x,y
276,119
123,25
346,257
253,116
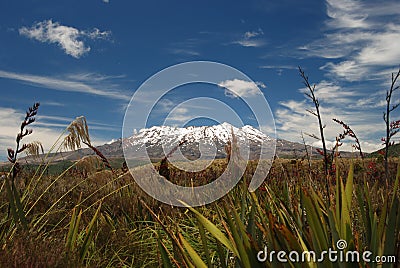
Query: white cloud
x,y
179,114
56,122
370,147
362,35
251,39
10,120
375,100
68,38
184,51
382,48
166,105
279,68
97,34
292,120
250,43
252,34
45,129
361,110
241,88
52,103
289,67
346,14
359,44
296,107
347,70
329,92
89,86
92,77
186,47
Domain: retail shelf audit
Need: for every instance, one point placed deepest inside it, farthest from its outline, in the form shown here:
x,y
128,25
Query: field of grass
x,y
99,218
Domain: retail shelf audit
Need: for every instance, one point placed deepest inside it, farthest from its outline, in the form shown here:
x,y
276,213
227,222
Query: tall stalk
x,y
317,113
15,205
391,127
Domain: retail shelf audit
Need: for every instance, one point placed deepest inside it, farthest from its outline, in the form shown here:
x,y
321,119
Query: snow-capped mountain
x,y
222,132
208,141
158,141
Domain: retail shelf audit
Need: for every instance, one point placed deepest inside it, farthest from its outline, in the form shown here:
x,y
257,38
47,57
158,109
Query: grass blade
x,y
205,245
214,231
197,261
88,236
164,254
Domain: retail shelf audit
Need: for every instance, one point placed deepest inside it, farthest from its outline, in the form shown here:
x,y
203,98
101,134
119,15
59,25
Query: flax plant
x,y
392,127
15,205
317,113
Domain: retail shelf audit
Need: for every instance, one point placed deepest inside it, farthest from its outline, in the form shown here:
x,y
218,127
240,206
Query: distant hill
x,y
394,151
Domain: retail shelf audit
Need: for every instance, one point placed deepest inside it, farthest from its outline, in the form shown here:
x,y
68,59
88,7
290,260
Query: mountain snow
x,y
221,133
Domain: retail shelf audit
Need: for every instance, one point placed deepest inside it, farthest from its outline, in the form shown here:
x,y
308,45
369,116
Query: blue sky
x,y
88,58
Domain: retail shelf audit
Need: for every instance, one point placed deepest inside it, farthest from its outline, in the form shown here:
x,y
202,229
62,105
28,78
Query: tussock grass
x,y
126,233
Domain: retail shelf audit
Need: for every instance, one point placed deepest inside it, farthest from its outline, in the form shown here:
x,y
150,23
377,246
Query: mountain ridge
x,y
219,134
197,141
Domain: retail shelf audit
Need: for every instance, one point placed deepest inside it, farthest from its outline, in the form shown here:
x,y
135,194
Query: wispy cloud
x,y
250,43
95,33
179,115
68,38
348,70
358,109
52,103
363,37
346,14
251,39
184,51
10,120
45,129
252,34
87,85
359,48
289,67
93,77
292,120
187,47
370,102
328,92
62,121
279,68
241,88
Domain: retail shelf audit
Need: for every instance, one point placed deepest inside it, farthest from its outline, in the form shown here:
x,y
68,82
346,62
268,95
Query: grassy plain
x,y
87,215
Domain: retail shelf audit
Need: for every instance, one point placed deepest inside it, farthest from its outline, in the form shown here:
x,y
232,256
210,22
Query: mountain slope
x,y
205,140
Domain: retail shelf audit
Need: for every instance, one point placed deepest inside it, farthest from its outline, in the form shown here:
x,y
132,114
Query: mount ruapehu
x,y
195,138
